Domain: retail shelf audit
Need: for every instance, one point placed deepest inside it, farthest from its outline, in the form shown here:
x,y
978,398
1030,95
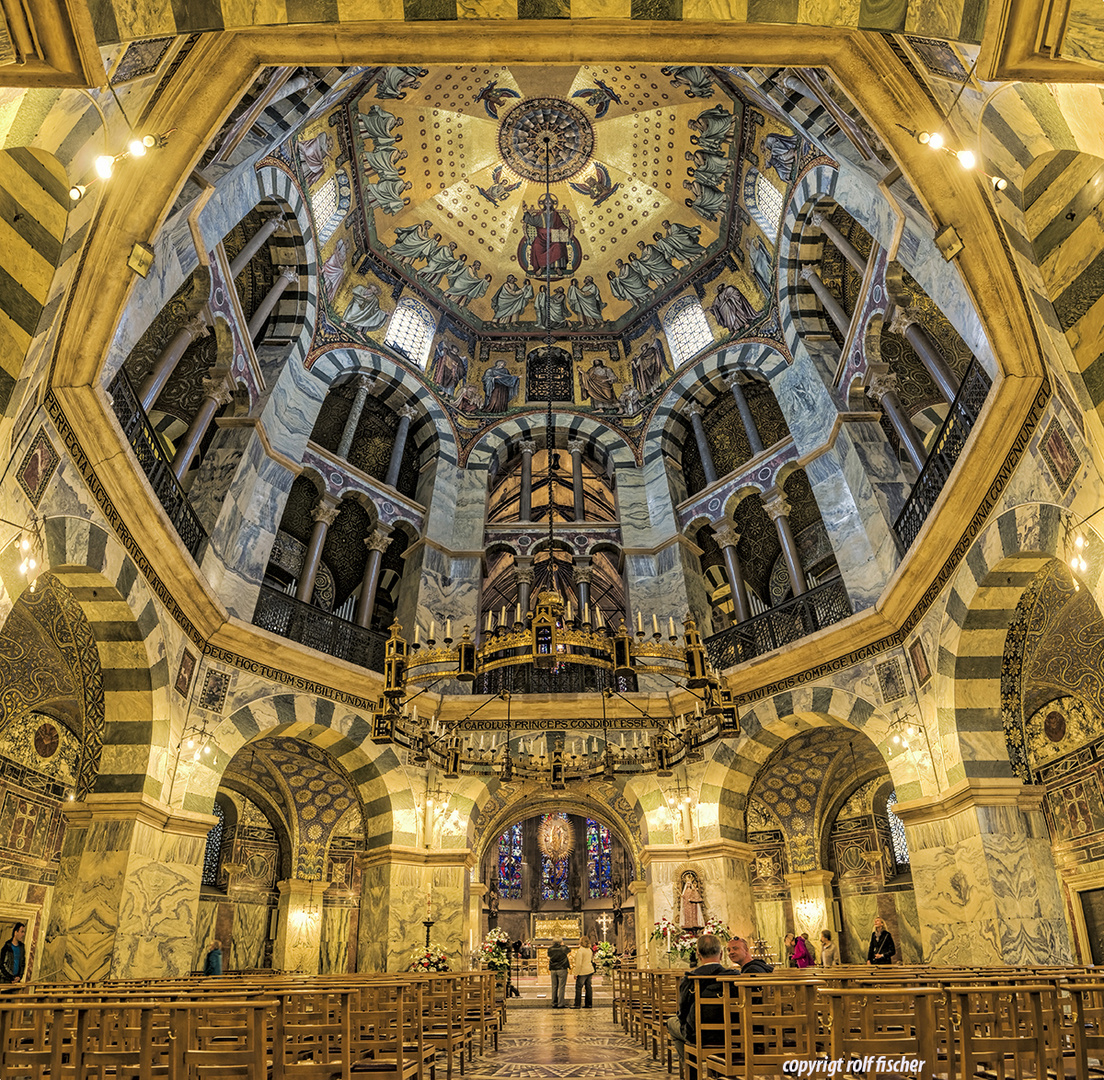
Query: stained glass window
x,y
897,831
599,865
554,872
213,850
764,201
509,863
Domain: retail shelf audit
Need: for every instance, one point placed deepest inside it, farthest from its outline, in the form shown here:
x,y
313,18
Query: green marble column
x,y
128,891
982,868
299,926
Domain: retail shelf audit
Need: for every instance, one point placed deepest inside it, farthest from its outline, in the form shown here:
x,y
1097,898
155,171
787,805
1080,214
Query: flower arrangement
x,y
429,958
683,943
494,951
605,956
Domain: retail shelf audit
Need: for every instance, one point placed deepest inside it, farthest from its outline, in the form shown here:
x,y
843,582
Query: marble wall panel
x,y
456,507
909,945
770,921
448,588
247,942
335,940
51,965
447,889
858,917
206,918
373,930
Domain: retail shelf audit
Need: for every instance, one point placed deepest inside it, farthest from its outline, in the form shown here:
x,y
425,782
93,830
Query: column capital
x,y
290,274
379,539
817,218
808,273
408,412
881,383
365,383
198,324
584,575
527,446
733,380
577,446
218,389
695,408
903,318
726,536
775,503
326,511
524,574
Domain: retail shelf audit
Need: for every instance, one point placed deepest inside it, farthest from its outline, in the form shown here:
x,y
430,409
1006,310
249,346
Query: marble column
x,y
778,510
127,893
523,569
696,409
406,415
324,514
399,886
255,243
727,538
216,393
831,305
288,275
811,896
166,363
528,448
584,574
299,926
377,544
577,446
883,388
983,870
841,243
905,323
364,386
752,432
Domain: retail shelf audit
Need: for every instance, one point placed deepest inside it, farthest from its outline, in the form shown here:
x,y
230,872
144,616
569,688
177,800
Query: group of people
x,y
579,962
799,953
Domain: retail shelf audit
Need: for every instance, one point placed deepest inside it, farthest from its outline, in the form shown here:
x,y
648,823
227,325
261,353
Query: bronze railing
x,y
317,629
155,463
960,421
781,625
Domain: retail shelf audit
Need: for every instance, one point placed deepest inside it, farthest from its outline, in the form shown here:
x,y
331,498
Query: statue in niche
x,y
690,895
492,901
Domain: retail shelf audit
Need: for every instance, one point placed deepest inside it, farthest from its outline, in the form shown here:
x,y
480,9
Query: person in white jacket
x,y
582,966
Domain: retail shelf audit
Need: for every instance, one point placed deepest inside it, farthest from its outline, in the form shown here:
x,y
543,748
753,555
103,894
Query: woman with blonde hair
x,y
582,965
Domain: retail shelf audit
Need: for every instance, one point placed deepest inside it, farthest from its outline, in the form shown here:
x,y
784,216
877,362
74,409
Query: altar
x,y
544,929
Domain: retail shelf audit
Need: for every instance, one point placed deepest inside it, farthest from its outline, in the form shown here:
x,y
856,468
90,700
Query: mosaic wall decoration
x,y
1060,457
891,680
36,470
184,673
213,694
141,58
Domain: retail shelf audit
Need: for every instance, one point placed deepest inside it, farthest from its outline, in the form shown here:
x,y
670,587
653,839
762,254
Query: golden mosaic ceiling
x,y
450,162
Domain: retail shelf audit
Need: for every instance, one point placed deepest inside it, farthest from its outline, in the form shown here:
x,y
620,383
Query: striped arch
x,y
669,425
508,804
799,310
980,606
735,763
113,596
604,445
36,195
431,432
376,772
296,314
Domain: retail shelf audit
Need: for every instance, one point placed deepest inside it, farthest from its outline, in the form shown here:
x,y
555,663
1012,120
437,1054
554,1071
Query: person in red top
x,y
801,957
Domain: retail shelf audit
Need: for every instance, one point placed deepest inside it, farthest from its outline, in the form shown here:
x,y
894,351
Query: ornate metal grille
x,y
156,465
948,446
782,625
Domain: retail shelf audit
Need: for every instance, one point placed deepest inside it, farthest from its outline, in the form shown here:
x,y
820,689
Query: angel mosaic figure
x,y
494,97
500,187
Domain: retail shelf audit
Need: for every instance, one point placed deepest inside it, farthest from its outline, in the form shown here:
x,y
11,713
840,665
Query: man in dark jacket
x,y
681,1027
558,967
13,955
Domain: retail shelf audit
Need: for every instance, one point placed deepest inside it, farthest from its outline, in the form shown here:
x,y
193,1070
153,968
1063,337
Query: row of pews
x,y
1002,1023
254,1027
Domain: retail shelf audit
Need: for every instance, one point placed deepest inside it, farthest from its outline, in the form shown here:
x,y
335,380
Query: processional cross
x,y
604,921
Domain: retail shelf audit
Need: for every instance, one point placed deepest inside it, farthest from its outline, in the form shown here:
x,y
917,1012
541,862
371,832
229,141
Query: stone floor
x,y
547,1042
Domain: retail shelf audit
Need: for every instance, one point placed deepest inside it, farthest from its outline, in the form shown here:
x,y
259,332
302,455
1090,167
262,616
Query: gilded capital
x,y
881,384
326,512
726,536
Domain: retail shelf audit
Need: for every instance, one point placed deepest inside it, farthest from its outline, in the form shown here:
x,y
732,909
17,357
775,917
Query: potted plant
x,y
429,958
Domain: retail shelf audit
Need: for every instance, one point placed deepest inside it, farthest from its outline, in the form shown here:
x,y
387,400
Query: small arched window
x,y
411,330
686,329
764,202
897,831
329,205
212,855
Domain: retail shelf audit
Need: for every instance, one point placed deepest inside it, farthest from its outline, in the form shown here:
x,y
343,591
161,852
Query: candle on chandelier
x,y
567,615
432,628
671,626
490,618
502,617
518,619
640,622
448,629
415,633
598,618
655,623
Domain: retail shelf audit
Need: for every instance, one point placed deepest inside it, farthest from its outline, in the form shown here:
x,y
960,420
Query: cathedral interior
x,y
482,463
